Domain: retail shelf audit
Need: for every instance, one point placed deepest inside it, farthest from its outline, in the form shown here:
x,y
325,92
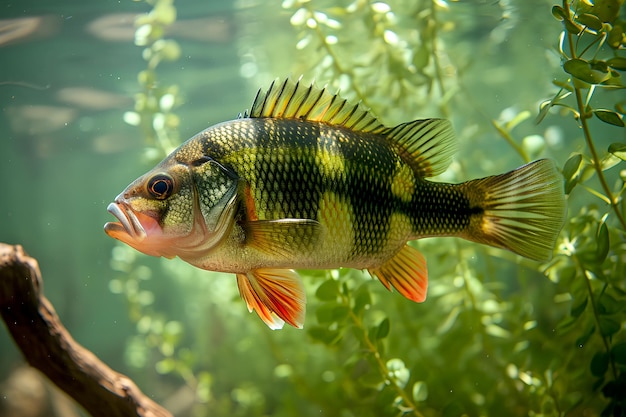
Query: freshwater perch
x,y
307,180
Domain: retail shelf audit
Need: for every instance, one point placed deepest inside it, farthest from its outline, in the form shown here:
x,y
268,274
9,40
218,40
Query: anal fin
x,y
277,296
406,272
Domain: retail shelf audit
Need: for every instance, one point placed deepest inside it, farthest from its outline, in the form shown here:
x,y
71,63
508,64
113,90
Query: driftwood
x,y
48,346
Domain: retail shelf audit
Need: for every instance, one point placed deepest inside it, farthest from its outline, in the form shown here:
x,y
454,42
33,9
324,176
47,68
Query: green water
x,y
491,339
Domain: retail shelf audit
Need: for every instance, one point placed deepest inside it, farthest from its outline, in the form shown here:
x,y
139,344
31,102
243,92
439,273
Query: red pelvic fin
x,y
406,272
277,295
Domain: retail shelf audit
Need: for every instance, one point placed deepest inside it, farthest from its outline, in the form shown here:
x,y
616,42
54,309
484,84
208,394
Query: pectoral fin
x,y
277,295
285,237
407,272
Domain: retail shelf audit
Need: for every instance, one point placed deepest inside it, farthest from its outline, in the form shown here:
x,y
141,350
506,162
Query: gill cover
x,y
215,187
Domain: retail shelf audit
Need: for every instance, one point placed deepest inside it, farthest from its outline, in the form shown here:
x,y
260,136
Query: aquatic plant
x,y
155,103
590,262
402,43
158,338
498,335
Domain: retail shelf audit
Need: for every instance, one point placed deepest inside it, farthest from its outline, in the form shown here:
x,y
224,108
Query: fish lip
x,y
128,221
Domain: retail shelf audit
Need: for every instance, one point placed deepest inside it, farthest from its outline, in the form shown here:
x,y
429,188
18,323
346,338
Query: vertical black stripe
x,y
370,165
285,168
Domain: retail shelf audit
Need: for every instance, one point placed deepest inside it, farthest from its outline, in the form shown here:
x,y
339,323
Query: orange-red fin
x,y
407,272
277,296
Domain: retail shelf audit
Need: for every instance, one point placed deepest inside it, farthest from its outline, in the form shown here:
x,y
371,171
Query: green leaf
x,y
590,21
608,326
582,340
547,406
383,329
619,353
573,27
453,409
324,335
362,298
372,380
559,13
420,391
614,40
599,364
328,313
606,10
610,117
165,366
203,390
398,371
324,313
609,161
571,170
328,291
578,309
497,331
447,324
617,62
519,118
421,58
572,166
607,304
545,106
585,71
340,313
564,85
566,275
619,150
603,244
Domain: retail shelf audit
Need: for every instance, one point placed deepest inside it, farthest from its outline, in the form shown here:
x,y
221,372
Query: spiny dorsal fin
x,y
428,144
291,100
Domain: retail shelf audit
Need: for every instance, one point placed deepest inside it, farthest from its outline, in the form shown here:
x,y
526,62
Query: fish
x,y
307,180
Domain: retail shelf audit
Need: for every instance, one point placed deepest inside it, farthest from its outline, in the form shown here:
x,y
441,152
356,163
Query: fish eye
x,y
161,186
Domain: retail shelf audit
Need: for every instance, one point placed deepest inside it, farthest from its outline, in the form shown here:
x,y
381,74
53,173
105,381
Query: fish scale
x,y
307,180
294,187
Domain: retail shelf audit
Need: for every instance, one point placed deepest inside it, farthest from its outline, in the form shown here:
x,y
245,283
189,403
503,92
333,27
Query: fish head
x,y
179,208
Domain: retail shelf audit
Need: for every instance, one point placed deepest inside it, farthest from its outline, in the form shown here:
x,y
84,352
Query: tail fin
x,y
522,211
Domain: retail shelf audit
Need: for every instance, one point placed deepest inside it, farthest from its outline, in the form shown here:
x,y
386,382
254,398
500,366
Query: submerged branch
x,y
48,346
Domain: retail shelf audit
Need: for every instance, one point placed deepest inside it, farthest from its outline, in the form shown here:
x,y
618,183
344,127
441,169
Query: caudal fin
x,y
522,211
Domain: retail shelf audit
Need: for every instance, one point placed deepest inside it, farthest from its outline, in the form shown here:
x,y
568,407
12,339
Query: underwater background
x,y
93,94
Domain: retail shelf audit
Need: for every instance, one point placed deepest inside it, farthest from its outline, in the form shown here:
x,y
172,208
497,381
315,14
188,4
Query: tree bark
x,y
48,346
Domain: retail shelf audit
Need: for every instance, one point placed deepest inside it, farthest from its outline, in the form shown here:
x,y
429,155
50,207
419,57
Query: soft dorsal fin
x,y
427,145
291,100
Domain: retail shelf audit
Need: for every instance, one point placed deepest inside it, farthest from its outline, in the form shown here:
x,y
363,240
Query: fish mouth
x,y
128,226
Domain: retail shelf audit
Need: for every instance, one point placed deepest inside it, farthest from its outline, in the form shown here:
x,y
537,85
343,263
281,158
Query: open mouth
x,y
128,223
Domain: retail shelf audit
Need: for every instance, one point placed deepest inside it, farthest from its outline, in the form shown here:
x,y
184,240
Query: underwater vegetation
x,y
498,334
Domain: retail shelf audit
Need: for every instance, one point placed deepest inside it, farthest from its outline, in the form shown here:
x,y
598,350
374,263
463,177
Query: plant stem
x,y
336,61
432,23
596,317
507,136
382,367
587,133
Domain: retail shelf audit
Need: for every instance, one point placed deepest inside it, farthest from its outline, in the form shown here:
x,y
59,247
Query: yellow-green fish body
x,y
308,181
